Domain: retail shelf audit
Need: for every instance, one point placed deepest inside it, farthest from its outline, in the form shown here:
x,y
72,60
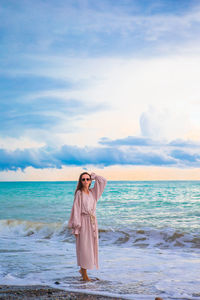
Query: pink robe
x,y
83,222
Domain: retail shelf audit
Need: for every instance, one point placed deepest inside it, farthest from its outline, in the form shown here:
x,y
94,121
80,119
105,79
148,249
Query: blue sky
x,y
99,85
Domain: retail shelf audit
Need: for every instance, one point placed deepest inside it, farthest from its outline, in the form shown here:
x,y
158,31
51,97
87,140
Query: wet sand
x,y
41,292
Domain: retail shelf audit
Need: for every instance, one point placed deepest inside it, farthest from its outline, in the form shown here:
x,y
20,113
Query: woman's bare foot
x,y
88,279
83,272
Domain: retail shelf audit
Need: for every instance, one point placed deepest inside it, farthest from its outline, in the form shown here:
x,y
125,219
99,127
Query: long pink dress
x,y
83,222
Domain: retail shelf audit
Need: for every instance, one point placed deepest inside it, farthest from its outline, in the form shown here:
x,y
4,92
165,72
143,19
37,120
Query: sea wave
x,y
142,238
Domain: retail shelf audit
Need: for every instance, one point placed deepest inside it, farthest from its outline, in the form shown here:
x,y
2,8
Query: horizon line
x,y
107,180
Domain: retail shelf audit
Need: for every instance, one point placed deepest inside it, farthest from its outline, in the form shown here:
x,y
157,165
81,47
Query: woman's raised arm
x,y
100,183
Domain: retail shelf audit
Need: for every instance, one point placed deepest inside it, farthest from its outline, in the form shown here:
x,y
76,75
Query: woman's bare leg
x,y
84,274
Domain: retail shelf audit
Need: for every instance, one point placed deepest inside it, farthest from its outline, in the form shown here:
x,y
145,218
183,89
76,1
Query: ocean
x,y
149,238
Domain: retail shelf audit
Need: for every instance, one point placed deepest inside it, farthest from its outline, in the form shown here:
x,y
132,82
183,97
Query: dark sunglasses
x,y
83,179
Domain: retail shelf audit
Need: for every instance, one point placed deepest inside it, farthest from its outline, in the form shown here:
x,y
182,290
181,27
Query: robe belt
x,y
92,218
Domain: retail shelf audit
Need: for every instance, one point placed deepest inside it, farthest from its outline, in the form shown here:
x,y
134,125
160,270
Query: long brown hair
x,y
79,184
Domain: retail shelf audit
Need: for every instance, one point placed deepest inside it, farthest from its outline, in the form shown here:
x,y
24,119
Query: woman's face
x,y
85,179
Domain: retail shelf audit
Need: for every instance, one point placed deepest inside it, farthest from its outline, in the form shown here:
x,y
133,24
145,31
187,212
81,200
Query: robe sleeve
x,y
100,183
75,217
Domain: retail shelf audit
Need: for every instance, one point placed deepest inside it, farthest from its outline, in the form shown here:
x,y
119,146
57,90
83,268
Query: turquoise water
x,y
124,205
149,233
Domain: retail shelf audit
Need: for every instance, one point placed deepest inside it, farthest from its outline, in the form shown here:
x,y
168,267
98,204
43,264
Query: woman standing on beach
x,y
83,221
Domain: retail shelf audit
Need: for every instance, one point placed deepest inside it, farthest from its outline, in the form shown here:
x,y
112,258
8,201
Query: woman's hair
x,y
80,185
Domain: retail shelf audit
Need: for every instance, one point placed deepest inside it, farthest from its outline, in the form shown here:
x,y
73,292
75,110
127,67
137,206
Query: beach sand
x,y
41,292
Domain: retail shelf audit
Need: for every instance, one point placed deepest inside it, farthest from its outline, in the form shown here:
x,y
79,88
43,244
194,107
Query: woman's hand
x,y
92,175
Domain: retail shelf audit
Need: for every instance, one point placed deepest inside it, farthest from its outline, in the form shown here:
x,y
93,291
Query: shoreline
x,y
45,292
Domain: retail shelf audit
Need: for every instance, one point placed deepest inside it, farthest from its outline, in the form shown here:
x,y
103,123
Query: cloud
x,y
184,144
130,140
103,27
147,142
37,158
61,61
82,109
189,158
163,124
48,157
19,85
178,152
17,117
27,103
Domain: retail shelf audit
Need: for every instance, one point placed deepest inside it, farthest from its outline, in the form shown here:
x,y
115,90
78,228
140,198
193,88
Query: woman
x,y
84,223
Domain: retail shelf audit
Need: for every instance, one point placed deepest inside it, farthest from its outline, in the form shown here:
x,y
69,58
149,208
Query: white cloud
x,y
22,143
164,124
129,86
54,22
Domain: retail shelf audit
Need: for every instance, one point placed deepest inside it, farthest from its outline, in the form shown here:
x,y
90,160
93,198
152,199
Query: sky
x,y
108,86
